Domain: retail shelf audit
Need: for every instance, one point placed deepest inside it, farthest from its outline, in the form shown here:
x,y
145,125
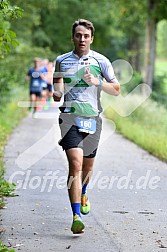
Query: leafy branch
x,y
7,36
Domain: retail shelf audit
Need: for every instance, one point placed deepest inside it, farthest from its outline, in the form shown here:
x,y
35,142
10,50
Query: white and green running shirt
x,y
79,97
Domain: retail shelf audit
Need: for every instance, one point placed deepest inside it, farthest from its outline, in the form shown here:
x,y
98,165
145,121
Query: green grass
x,y
161,76
10,116
146,126
160,66
5,249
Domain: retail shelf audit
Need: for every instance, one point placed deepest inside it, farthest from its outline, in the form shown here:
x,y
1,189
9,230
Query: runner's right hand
x,y
57,95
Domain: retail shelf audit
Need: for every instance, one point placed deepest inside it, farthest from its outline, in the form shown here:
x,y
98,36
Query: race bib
x,y
86,125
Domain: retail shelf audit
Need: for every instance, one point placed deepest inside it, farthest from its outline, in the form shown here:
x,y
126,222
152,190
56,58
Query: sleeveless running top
x,y
79,97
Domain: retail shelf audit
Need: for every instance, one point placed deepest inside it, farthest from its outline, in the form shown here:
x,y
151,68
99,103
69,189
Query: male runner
x,y
80,75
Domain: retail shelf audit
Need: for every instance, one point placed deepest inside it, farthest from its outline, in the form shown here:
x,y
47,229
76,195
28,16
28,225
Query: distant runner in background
x,y
34,75
44,69
49,79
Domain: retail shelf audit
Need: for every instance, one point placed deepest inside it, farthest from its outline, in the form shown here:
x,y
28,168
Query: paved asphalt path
x,y
127,193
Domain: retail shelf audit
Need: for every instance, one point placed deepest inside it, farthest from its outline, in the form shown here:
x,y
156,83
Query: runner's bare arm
x,y
27,77
58,88
111,88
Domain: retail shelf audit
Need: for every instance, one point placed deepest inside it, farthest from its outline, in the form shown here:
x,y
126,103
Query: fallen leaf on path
x,y
2,230
18,245
160,244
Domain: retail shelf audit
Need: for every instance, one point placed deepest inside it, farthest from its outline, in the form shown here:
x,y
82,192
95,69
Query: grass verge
x,y
146,126
10,116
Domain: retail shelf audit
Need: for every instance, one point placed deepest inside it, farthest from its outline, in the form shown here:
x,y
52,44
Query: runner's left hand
x,y
90,79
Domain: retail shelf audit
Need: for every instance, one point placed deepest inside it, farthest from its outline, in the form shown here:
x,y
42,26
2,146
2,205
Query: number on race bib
x,y
86,125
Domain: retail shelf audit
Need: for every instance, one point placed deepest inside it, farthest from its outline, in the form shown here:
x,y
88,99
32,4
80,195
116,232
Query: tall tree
x,y
156,10
130,19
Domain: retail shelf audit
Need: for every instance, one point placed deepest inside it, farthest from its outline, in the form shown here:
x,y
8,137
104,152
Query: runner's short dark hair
x,y
86,23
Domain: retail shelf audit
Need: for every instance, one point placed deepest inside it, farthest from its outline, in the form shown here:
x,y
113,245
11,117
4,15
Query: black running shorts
x,y
72,138
38,94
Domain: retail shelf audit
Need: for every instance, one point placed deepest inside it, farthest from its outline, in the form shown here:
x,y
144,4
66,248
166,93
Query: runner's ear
x,y
92,39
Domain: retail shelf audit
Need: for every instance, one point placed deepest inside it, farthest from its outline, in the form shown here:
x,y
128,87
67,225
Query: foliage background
x,y
42,28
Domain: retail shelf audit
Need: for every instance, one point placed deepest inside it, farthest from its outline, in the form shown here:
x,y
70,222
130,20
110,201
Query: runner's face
x,y
37,63
82,40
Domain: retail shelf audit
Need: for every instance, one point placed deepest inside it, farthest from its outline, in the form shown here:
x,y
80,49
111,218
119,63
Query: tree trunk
x,y
134,52
150,45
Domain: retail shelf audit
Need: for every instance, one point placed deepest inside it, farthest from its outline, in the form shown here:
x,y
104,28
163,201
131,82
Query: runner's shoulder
x,y
31,70
99,57
63,56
